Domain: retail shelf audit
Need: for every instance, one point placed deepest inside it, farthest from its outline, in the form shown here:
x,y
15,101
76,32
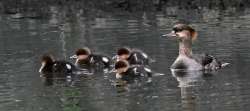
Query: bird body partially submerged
x,y
186,60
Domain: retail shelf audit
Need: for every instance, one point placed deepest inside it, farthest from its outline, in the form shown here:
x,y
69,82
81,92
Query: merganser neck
x,y
185,48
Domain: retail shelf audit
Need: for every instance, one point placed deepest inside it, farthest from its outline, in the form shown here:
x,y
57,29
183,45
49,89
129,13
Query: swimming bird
x,y
128,73
133,56
186,60
51,68
84,57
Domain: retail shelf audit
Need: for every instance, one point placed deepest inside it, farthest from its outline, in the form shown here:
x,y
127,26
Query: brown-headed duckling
x,y
51,68
133,56
126,72
84,57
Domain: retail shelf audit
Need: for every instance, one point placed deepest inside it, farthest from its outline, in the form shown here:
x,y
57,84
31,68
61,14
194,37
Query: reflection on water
x,y
188,78
188,81
223,33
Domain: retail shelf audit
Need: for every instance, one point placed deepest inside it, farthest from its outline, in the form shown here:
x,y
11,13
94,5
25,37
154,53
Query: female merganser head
x,y
186,60
185,35
183,31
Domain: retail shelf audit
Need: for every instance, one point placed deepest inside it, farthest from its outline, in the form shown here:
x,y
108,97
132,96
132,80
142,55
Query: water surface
x,y
224,33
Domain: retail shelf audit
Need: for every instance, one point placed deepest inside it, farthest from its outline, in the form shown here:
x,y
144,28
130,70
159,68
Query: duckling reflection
x,y
188,80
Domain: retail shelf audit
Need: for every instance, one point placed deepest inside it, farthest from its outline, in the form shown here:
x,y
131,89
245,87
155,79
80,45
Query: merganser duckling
x,y
128,73
51,68
134,57
186,60
84,57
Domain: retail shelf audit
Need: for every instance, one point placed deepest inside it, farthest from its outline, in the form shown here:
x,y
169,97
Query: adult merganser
x,y
186,59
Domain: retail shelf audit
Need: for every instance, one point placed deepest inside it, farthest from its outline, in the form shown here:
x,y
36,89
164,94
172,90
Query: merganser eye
x,y
175,29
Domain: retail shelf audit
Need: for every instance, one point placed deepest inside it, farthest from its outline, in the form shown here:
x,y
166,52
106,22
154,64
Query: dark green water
x,y
221,33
